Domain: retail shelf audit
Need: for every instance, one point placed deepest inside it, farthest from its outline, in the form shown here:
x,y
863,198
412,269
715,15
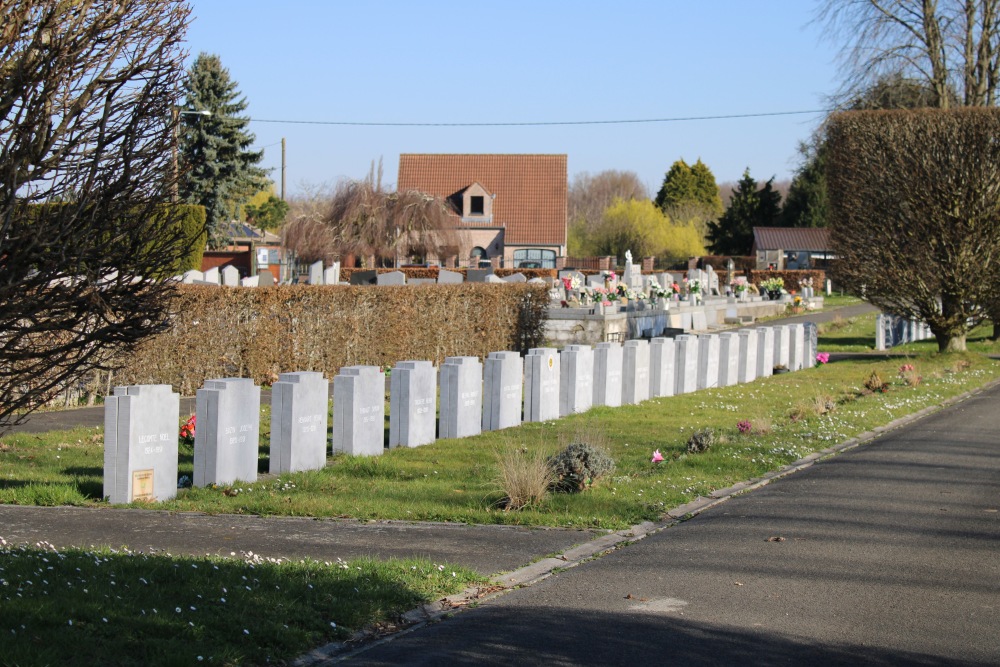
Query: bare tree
x,y
87,93
952,45
915,213
590,195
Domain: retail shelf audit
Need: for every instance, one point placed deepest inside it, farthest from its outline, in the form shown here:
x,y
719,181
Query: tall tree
x,y
639,226
806,202
952,46
86,94
919,235
749,207
685,185
220,172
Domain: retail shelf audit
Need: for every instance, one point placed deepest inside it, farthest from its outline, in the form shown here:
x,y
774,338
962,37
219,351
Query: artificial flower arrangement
x,y
694,286
772,284
740,284
187,431
571,282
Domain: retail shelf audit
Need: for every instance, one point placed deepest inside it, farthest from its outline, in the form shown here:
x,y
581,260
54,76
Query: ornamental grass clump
x,y
875,384
701,441
578,466
523,476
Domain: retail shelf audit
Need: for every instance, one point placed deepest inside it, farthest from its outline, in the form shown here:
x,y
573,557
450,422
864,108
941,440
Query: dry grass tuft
x,y
523,475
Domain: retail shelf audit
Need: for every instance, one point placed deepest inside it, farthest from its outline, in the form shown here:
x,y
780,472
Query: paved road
x,y
887,554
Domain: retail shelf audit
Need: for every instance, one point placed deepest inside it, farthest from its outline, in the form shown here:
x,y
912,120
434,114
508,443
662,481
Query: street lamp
x,y
178,112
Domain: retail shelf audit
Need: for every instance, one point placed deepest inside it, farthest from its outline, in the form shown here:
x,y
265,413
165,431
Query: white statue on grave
x,y
628,258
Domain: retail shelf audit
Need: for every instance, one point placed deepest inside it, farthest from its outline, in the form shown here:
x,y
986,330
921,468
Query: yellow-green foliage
x,y
191,219
639,226
260,333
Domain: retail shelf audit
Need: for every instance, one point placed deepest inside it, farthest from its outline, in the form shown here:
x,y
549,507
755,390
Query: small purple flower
x,y
744,426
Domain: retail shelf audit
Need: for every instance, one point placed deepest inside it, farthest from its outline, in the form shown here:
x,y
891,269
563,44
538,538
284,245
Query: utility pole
x,y
282,169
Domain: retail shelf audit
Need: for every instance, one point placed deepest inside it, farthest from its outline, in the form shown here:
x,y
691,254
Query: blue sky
x,y
436,61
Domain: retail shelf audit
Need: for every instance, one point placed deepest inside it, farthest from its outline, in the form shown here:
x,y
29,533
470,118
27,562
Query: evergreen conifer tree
x,y
749,207
685,185
220,172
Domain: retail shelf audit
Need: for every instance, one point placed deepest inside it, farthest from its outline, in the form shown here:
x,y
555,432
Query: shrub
x,y
578,466
875,383
700,441
523,476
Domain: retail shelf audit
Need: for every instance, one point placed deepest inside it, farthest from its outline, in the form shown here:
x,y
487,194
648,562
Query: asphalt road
x,y
886,554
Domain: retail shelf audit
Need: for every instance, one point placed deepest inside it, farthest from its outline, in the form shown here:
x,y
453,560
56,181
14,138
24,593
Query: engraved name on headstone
x,y
140,443
412,404
299,416
226,440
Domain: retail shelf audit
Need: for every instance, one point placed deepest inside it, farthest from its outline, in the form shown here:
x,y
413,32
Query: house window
x,y
535,258
477,205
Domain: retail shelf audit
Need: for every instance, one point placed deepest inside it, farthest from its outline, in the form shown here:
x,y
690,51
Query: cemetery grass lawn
x,y
119,608
792,415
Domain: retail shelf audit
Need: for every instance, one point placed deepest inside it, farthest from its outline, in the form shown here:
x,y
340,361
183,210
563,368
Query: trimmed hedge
x,y
260,333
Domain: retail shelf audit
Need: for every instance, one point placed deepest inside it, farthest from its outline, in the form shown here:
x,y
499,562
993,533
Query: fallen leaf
x,y
776,538
628,597
738,583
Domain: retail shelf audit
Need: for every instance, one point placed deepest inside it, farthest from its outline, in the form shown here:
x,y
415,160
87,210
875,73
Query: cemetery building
x,y
508,210
249,249
792,247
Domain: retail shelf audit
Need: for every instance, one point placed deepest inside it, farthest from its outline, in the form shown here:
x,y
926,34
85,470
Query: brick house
x,y
509,210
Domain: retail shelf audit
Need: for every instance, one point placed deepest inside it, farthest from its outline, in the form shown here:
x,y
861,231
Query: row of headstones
x,y
892,330
141,450
229,276
445,277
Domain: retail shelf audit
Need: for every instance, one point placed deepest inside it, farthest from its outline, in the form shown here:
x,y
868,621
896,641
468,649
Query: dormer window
x,y
477,205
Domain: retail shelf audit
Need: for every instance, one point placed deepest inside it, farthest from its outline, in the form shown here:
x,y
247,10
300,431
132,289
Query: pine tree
x,y
685,185
220,170
806,203
749,207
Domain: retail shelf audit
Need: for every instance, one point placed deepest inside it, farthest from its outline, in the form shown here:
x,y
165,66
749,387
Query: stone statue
x,y
628,257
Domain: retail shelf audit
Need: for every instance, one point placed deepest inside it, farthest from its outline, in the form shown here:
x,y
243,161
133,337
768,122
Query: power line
x,y
634,121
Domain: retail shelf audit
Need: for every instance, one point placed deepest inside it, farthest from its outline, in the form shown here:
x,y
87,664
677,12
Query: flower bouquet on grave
x,y
773,287
186,433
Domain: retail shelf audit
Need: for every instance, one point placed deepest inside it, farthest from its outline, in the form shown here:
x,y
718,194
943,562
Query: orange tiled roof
x,y
530,189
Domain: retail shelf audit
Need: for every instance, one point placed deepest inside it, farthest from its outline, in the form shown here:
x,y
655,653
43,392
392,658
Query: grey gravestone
x,y
299,414
421,281
516,278
747,368
765,351
363,277
595,281
359,411
796,347
712,281
478,275
662,356
502,380
449,277
708,361
493,279
331,275
782,342
541,384
686,364
212,276
230,276
316,273
812,342
729,358
265,278
461,397
608,374
576,379
635,372
412,404
392,278
226,440
192,276
140,443
252,281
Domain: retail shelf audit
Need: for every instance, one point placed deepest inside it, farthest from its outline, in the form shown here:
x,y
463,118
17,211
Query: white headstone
x,y
495,279
541,384
635,372
230,276
699,320
316,273
811,340
252,281
516,278
212,275
450,277
686,363
502,381
729,358
412,404
662,357
608,374
226,439
299,415
331,275
461,397
747,369
192,276
765,351
796,347
782,343
576,379
391,278
140,443
359,411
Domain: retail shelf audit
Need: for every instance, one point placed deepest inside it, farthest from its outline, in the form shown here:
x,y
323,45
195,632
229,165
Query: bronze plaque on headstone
x,y
142,485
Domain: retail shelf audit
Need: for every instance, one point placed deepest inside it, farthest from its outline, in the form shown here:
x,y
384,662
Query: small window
x,y
476,205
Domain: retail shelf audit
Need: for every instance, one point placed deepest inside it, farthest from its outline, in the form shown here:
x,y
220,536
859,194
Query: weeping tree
x,y
915,213
87,93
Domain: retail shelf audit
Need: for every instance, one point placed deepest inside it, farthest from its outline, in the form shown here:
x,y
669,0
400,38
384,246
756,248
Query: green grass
x,y
106,607
455,480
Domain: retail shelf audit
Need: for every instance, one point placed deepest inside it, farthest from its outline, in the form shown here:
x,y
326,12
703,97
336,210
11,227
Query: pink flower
x,y
823,357
657,456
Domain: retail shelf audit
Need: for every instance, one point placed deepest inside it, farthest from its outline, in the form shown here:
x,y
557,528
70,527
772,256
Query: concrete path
x,y
886,554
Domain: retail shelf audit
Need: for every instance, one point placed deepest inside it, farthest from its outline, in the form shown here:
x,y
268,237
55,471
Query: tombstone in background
x,y
541,384
729,358
711,284
422,281
699,320
359,411
192,276
252,281
412,404
765,351
391,278
331,275
811,336
226,440
299,412
230,276
140,443
363,277
796,347
265,278
494,279
608,358
708,361
635,372
747,366
516,278
461,397
595,281
576,379
686,363
316,273
446,277
477,275
662,357
502,380
212,275
782,342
